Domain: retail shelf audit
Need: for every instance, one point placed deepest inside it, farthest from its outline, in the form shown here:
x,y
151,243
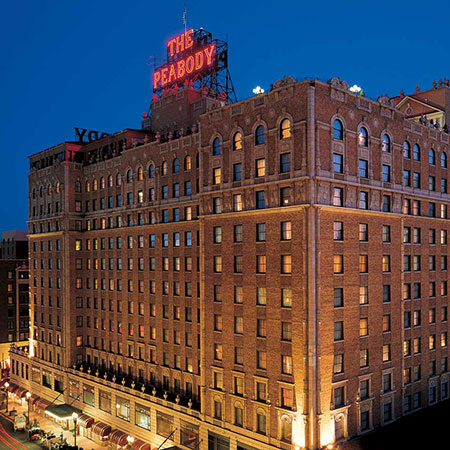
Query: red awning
x,y
34,398
85,421
101,429
20,392
13,387
42,403
140,445
118,437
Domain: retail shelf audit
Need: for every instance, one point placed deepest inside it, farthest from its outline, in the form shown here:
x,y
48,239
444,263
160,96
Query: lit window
x,y
260,167
363,327
363,139
338,264
285,129
286,231
286,264
237,141
217,175
164,168
386,263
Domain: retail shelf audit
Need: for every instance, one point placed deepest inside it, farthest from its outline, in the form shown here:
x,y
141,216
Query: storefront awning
x,y
141,445
85,421
41,403
34,399
101,429
61,412
118,437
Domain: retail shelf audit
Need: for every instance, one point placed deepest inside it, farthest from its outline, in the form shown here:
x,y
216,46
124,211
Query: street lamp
x,y
75,418
7,392
130,440
28,396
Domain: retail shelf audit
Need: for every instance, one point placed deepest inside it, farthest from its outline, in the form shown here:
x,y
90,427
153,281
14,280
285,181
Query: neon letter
x,y
188,42
170,44
172,73
209,52
156,78
181,68
164,76
199,60
190,64
179,43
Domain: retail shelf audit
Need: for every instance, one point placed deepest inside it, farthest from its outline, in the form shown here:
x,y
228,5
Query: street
x,y
14,440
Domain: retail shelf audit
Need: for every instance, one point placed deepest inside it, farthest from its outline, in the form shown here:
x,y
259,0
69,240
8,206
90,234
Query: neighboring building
x,y
273,277
14,293
14,245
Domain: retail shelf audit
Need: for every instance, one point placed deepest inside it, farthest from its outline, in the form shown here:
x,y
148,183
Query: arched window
x,y
77,186
118,180
110,181
416,152
151,171
406,150
237,141
216,147
385,143
444,160
338,130
285,129
431,157
140,174
187,163
88,186
175,166
95,184
259,135
58,186
49,189
129,175
102,183
363,137
164,168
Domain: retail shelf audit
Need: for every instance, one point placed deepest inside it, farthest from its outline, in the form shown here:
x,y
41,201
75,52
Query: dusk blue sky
x,y
87,63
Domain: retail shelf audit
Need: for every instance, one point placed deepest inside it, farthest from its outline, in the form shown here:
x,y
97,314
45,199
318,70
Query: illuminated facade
x,y
265,274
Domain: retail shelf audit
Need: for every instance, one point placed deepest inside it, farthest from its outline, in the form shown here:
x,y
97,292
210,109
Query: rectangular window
x,y
338,163
386,173
338,196
363,168
338,231
285,162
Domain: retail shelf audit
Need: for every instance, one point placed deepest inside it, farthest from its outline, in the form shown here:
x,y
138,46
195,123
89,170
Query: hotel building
x,y
267,274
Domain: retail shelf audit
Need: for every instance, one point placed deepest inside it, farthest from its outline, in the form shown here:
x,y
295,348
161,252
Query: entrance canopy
x,y
61,412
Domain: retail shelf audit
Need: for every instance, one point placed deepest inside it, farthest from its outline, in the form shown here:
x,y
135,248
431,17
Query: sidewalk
x,y
48,425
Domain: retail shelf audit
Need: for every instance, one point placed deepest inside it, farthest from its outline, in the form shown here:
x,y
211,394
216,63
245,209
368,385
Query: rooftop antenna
x,y
184,17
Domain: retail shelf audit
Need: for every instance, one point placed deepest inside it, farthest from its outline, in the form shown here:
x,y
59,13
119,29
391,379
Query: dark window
x,y
259,135
216,146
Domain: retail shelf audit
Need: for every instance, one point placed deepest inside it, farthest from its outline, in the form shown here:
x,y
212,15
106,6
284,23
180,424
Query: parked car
x,y
20,422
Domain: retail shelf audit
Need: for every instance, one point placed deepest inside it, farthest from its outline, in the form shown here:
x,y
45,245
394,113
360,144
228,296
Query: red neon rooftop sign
x,y
185,59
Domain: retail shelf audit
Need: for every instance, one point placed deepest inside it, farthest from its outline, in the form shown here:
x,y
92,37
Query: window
x,y
237,141
431,183
363,263
338,163
259,135
260,200
363,168
431,157
406,150
363,232
187,163
237,202
217,205
363,327
286,231
238,233
286,297
416,178
363,357
217,173
216,147
385,143
260,167
386,173
338,297
386,323
363,138
386,352
286,264
261,264
286,364
237,172
338,130
338,231
261,298
285,129
363,200
338,363
285,162
338,331
416,152
338,264
444,160
386,263
260,232
217,235
386,293
386,233
285,196
338,196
